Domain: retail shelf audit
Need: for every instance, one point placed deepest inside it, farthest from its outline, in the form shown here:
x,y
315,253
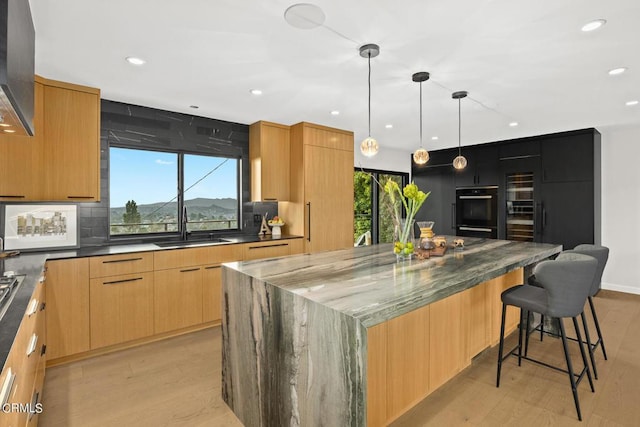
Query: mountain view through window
x,y
145,191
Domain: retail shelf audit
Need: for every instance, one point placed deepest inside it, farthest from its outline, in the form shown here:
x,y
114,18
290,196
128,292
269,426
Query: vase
x,y
403,239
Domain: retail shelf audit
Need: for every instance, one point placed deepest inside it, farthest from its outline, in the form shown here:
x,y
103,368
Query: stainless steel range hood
x,y
17,59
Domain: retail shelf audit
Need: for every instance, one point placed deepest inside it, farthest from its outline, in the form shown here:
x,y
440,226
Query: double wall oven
x,y
477,211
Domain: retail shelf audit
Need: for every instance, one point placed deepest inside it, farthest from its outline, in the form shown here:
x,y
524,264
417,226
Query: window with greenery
x,y
149,189
371,209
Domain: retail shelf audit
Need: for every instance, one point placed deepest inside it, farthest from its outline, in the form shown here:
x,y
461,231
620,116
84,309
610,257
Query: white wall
x,y
386,159
621,208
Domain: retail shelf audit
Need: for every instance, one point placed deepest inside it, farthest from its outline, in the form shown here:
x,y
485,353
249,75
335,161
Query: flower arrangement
x,y
412,199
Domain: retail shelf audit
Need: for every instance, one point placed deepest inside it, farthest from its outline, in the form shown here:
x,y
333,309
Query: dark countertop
x,y
367,283
31,264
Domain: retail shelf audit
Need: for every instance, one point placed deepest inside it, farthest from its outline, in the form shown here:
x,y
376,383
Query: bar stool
x,y
601,254
565,285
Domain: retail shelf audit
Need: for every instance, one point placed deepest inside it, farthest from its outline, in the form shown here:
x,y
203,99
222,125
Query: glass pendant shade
x,y
421,156
369,147
460,162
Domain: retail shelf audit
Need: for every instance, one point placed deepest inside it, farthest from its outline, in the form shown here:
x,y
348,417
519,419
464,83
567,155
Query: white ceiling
x,y
520,60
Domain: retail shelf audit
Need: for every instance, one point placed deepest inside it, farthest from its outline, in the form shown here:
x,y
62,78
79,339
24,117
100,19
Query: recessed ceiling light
x,y
9,131
593,25
513,124
617,71
135,60
335,113
434,138
256,92
389,126
631,103
5,125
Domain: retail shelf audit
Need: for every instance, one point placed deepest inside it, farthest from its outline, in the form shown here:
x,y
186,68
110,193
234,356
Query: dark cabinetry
x,y
563,170
438,178
482,167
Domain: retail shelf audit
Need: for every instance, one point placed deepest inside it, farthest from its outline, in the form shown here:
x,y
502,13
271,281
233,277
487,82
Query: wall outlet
x,y
257,219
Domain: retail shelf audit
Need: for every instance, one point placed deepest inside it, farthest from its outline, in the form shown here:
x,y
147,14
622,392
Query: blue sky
x,y
151,176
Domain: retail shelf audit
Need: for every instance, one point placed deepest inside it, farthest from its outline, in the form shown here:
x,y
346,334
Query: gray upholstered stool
x,y
601,254
565,285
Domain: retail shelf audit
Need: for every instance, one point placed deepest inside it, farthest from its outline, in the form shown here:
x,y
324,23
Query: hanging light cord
x,y
420,114
369,80
459,128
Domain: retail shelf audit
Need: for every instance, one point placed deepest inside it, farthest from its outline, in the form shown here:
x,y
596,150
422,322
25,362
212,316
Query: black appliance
x,y
17,65
477,211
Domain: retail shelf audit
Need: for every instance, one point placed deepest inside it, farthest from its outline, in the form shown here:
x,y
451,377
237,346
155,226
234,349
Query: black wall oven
x,y
477,212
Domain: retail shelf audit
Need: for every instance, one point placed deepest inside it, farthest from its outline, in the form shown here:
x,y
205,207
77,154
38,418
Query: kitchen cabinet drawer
x,y
189,257
265,250
113,265
121,308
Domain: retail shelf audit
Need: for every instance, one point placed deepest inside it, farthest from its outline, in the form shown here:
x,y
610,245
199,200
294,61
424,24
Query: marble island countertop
x,y
367,283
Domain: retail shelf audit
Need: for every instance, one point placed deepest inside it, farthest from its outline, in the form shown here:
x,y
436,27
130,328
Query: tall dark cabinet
x,y
560,202
438,177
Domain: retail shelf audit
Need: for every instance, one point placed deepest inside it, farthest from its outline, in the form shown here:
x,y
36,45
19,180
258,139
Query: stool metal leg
x,y
589,345
541,326
526,342
520,325
595,320
574,388
583,353
504,313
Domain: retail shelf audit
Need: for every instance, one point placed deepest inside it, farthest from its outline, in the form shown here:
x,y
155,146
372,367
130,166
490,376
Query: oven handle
x,y
475,197
486,230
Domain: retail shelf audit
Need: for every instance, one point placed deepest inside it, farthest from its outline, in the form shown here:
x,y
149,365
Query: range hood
x,y
17,59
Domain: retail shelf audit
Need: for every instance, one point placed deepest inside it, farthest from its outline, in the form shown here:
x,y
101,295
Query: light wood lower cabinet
x,y
121,308
410,356
177,298
68,307
211,293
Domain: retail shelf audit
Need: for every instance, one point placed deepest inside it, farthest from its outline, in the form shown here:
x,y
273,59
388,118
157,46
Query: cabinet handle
x,y
453,216
43,351
270,199
211,267
34,404
33,343
113,261
10,196
80,197
537,215
113,282
189,269
33,307
268,246
544,217
7,386
309,234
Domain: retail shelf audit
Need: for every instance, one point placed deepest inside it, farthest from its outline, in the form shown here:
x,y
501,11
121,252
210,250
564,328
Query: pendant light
x,y
421,156
369,146
459,162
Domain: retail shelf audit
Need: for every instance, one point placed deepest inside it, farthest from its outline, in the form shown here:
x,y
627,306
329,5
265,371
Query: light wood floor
x,y
177,382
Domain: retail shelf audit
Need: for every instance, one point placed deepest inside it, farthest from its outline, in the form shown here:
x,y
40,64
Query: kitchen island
x,y
353,337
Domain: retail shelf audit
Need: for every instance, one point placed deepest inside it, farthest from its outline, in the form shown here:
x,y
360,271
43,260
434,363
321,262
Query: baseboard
x,y
620,288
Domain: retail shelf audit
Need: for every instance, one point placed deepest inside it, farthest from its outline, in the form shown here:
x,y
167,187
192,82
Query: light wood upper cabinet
x,y
61,162
269,158
67,307
321,206
72,132
21,159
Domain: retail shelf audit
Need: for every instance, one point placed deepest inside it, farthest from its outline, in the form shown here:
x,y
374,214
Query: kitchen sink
x,y
192,243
